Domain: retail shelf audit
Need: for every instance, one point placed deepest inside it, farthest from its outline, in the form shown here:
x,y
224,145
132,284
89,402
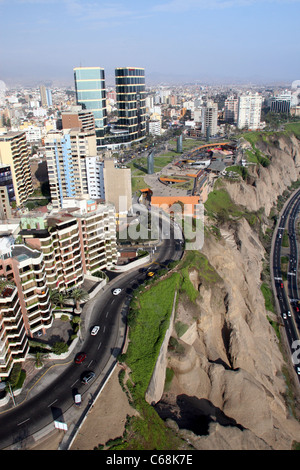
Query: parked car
x,y
80,357
284,316
88,377
150,274
298,370
77,399
95,330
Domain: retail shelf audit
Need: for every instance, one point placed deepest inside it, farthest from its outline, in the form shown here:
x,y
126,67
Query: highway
x,y
31,416
288,302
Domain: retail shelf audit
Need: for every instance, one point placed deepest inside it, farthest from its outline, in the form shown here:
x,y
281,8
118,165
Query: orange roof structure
x,y
173,180
166,202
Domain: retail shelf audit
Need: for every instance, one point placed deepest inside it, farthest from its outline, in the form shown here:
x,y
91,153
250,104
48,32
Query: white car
x,y
95,330
289,313
298,370
284,316
117,291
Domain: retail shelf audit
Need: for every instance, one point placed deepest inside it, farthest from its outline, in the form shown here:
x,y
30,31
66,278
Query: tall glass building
x,y
91,94
131,95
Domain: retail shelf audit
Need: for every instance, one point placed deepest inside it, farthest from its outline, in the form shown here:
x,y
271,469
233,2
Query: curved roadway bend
x,y
291,319
51,403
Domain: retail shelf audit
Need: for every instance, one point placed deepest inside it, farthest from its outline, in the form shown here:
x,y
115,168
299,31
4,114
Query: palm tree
x,y
39,358
57,297
79,295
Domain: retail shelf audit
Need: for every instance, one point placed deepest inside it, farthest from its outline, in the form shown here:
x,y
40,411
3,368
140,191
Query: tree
x,y
39,358
57,297
79,295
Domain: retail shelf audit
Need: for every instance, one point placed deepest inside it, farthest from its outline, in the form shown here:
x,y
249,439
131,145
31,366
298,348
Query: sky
x,y
176,41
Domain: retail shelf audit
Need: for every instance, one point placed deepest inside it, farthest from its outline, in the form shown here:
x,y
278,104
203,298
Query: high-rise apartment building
x,y
25,268
209,119
57,238
91,94
66,152
131,104
231,109
249,111
14,153
97,233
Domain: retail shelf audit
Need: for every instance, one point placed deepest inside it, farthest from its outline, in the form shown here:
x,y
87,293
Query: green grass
x,y
220,205
181,328
268,296
149,319
207,274
138,183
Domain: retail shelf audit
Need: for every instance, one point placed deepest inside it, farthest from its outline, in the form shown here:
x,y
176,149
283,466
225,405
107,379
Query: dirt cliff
x,y
228,390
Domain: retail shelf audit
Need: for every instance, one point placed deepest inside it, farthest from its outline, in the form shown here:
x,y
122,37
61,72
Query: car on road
x,y
150,274
116,291
80,357
281,285
284,316
289,313
298,370
95,330
88,377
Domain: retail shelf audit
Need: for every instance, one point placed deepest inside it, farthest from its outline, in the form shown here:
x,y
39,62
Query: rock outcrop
x,y
228,389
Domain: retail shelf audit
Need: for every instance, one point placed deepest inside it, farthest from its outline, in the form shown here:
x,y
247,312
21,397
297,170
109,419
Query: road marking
x,y
107,314
74,383
19,424
99,345
52,403
90,363
104,329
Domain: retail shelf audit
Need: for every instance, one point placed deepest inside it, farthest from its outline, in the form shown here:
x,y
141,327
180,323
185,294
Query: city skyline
x,y
230,41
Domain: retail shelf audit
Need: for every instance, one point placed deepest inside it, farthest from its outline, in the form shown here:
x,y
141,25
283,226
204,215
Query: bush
x,y
60,348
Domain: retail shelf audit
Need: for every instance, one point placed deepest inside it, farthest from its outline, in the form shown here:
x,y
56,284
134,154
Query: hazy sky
x,y
230,40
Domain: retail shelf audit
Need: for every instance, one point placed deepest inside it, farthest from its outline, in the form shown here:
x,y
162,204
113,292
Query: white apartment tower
x,y
249,111
209,118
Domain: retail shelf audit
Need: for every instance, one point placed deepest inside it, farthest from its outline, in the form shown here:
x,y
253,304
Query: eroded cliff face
x,y
228,388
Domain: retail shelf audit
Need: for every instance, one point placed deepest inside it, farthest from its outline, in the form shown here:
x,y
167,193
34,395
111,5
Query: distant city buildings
x,y
46,97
